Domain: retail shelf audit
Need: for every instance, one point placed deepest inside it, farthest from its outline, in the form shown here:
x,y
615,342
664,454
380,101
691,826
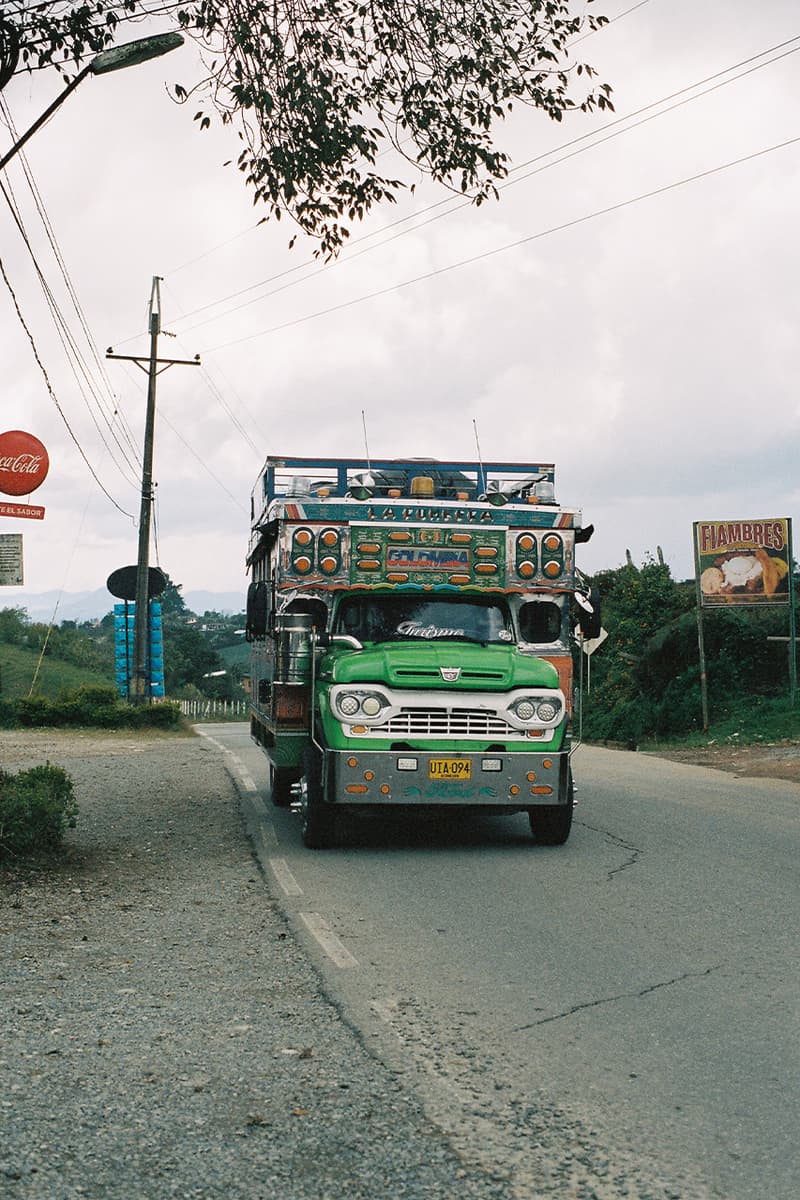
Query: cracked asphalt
x,y
616,1017
653,987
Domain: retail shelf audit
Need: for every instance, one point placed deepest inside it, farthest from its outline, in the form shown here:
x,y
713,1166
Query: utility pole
x,y
140,692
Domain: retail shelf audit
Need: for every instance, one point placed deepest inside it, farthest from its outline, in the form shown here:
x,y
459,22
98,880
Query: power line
x,y
465,262
250,228
163,418
217,393
611,21
68,343
203,463
76,359
454,206
53,396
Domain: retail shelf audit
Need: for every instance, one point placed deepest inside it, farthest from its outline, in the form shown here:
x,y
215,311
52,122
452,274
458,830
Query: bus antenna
x,y
366,443
482,488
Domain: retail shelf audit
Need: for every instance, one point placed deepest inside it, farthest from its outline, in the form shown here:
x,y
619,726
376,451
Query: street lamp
x,y
130,54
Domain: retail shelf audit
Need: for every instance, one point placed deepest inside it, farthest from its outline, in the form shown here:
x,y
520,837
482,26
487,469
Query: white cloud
x,y
650,352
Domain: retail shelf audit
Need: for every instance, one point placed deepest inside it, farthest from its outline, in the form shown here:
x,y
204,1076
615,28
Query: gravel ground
x,y
161,1032
766,760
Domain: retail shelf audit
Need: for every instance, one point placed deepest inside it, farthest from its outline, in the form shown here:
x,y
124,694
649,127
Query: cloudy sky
x,y
628,310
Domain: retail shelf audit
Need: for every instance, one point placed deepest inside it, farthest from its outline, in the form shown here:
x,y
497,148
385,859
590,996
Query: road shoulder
x,y
164,1032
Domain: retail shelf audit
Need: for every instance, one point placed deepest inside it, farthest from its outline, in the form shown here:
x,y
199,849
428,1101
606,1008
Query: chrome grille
x,y
442,722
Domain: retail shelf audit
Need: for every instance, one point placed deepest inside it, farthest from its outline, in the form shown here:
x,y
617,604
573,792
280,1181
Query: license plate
x,y
450,768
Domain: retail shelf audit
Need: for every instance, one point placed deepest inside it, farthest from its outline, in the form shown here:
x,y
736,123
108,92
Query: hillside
x,y
207,657
18,667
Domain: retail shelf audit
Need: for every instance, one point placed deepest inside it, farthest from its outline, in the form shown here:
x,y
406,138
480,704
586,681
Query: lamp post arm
x,y
129,54
48,112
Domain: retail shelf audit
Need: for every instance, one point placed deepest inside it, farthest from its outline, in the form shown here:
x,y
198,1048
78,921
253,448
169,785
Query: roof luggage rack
x,y
420,478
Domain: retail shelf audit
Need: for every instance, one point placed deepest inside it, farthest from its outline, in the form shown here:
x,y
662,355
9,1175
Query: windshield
x,y
397,618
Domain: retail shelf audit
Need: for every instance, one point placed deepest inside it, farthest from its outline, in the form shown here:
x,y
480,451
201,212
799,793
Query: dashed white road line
x,y
245,776
240,770
213,741
281,871
321,931
265,835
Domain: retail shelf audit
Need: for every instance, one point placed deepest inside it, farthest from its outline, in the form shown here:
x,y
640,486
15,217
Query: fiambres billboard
x,y
743,562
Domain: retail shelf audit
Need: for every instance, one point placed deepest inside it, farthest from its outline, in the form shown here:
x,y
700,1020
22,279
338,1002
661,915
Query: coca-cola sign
x,y
23,463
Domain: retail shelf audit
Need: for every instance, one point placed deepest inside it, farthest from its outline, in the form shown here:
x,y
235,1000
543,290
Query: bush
x,y
646,677
160,716
88,705
36,807
34,711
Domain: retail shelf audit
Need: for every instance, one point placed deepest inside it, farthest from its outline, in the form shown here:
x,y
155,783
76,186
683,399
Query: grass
x,y
18,667
757,720
238,655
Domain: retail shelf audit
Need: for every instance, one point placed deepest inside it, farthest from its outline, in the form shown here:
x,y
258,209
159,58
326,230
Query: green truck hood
x,y
418,665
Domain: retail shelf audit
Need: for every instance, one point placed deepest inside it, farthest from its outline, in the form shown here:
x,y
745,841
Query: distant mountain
x,y
91,606
221,602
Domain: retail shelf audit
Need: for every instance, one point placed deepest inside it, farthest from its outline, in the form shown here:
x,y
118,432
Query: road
x,y
616,1017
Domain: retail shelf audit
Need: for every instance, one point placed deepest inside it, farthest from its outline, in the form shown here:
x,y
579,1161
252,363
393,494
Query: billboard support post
x,y
792,626
700,641
744,564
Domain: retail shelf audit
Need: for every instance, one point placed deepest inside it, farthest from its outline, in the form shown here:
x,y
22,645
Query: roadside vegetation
x,y
98,707
63,677
641,689
18,665
645,678
205,656
765,721
37,806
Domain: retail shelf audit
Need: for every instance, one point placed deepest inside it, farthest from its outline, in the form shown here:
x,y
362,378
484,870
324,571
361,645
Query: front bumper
x,y
406,778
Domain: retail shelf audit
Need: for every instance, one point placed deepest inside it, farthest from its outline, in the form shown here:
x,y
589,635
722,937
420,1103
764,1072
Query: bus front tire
x,y
551,824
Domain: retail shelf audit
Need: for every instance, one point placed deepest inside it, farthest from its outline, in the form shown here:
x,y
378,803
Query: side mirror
x,y
590,620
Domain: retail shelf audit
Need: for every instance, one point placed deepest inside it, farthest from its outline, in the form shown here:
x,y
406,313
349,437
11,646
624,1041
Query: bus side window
x,y
540,621
317,608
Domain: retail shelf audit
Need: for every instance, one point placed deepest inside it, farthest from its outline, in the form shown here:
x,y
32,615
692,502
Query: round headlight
x,y
370,706
348,705
548,710
526,710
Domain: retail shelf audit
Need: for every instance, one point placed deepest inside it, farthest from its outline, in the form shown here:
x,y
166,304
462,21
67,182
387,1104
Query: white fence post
x,y
208,709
